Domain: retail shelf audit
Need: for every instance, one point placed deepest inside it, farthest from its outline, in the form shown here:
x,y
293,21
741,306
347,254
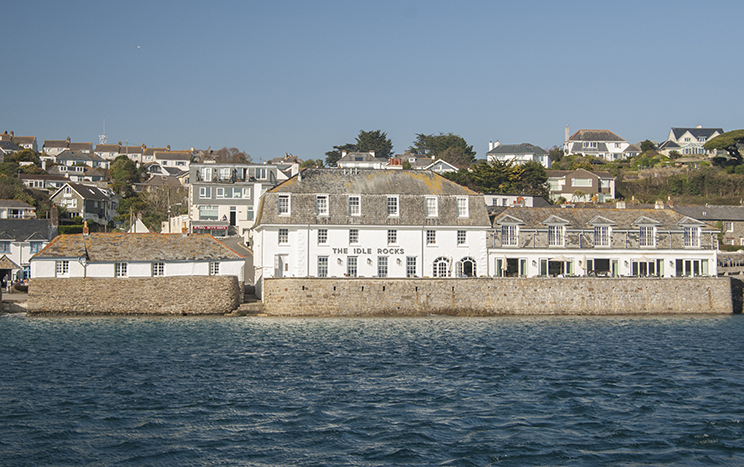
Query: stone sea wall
x,y
499,296
189,295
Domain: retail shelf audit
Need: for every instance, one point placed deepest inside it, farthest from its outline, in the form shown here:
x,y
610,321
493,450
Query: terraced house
x,y
370,223
554,241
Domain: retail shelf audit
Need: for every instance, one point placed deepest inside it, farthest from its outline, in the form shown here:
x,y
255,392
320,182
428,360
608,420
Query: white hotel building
x,y
370,223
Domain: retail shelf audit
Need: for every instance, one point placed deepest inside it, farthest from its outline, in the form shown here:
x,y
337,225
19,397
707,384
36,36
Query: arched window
x,y
441,266
466,267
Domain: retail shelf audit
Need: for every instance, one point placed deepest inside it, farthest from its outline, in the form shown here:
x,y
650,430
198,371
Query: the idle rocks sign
x,y
368,251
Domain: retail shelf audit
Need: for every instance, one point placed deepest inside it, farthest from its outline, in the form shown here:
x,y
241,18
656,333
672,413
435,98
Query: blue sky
x,y
302,76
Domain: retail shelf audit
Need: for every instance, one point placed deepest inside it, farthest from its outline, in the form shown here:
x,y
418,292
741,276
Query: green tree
x,y
310,163
124,173
436,145
648,145
231,156
556,154
24,155
376,141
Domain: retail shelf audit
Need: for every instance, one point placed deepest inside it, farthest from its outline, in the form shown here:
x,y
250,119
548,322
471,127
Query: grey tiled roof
x,y
110,247
696,132
27,229
14,203
712,213
595,135
524,148
582,218
371,181
56,143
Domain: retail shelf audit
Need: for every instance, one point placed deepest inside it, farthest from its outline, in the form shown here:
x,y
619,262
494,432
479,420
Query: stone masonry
x,y
186,295
502,296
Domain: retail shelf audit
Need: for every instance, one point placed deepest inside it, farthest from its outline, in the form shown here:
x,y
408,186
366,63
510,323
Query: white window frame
x,y
509,235
220,193
556,235
284,205
283,236
355,205
322,236
62,268
353,236
602,236
120,269
157,269
393,206
729,225
431,237
352,267
392,236
692,237
321,205
411,267
432,206
462,237
462,207
382,266
646,233
205,192
322,266
214,268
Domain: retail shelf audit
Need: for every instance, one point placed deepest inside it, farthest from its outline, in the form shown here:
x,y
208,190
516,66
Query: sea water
x,y
429,391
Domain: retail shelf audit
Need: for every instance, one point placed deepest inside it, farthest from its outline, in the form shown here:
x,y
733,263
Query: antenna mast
x,y
102,138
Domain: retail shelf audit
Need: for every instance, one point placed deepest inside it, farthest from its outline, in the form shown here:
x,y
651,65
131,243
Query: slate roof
x,y
131,150
110,247
81,146
669,144
14,203
585,218
24,139
374,186
72,155
9,146
58,178
563,173
524,148
371,182
27,229
712,213
361,157
151,151
595,135
56,143
696,132
632,148
107,148
86,192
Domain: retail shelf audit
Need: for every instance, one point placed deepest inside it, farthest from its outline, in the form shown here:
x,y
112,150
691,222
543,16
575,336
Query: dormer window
x,y
647,238
283,205
392,206
601,235
692,237
321,205
462,207
509,235
555,235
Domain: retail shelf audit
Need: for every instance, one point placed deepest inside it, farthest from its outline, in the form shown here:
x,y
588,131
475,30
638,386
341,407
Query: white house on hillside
x,y
517,154
603,144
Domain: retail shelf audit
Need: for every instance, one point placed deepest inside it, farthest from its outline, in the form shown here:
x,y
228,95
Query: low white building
x,y
370,223
529,242
517,154
123,255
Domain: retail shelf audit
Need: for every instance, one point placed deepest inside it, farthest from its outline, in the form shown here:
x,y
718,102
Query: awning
x,y
561,258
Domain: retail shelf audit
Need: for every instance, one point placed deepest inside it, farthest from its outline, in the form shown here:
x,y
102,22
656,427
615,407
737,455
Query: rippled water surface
x,y
439,391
